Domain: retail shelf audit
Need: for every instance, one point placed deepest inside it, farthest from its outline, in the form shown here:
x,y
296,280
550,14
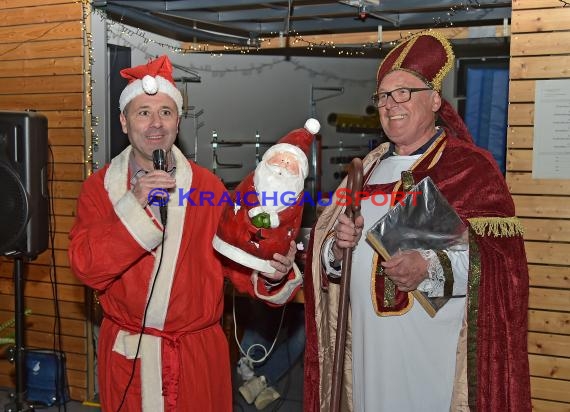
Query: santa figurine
x,y
268,204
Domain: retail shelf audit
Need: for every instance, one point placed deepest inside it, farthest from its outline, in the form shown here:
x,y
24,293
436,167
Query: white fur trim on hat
x,y
286,147
150,85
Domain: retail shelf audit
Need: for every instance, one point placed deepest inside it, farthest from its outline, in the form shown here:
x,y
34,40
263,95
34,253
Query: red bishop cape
x,y
493,341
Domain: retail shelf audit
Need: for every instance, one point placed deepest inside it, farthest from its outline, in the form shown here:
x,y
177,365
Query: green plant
x,y
9,339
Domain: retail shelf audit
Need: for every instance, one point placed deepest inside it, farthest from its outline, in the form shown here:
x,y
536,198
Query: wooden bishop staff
x,y
354,185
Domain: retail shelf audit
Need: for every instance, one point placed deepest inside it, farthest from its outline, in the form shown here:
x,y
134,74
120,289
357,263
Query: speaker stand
x,y
18,402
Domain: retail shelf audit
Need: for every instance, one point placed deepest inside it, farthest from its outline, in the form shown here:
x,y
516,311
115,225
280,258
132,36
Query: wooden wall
x,y
42,67
540,49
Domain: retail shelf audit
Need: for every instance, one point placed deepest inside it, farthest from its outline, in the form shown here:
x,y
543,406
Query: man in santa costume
x,y
266,208
472,355
161,346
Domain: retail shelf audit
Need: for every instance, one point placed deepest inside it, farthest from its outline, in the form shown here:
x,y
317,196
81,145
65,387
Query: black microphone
x,y
159,162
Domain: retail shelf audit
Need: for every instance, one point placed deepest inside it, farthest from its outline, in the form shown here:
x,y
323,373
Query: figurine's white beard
x,y
274,181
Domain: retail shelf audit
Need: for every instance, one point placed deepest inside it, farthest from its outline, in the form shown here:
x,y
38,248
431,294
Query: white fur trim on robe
x,y
151,365
145,231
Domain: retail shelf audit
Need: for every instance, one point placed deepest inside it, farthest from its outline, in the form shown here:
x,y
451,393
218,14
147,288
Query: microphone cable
x,y
143,323
159,163
247,353
61,384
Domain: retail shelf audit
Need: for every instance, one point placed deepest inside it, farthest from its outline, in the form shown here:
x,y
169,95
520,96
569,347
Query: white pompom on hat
x,y
150,78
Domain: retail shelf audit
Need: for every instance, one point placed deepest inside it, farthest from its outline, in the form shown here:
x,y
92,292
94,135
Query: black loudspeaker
x,y
24,208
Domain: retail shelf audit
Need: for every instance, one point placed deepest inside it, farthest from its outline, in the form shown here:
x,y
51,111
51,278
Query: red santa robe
x,y
116,249
492,362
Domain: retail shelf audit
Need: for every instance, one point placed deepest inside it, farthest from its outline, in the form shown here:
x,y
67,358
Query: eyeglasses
x,y
400,95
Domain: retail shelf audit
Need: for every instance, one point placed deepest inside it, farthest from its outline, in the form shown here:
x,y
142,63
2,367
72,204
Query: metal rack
x,y
218,144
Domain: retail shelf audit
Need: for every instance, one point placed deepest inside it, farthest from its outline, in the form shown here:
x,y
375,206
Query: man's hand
x,y
155,179
347,234
406,269
282,264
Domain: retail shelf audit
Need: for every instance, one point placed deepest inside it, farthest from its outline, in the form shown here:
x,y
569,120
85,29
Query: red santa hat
x,y
251,239
298,142
428,56
150,78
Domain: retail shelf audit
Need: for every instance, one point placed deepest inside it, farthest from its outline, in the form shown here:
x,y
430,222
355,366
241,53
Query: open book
x,y
422,220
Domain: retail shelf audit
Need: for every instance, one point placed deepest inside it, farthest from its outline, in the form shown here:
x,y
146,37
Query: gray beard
x,y
274,179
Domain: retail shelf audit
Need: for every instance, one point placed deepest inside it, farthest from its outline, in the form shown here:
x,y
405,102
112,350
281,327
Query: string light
x,y
124,33
252,69
128,31
324,47
120,30
90,121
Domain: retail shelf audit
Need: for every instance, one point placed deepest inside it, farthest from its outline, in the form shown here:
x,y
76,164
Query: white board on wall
x,y
551,144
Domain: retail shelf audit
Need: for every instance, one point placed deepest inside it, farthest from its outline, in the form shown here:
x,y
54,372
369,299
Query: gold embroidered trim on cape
x,y
376,271
473,281
406,180
497,226
417,162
